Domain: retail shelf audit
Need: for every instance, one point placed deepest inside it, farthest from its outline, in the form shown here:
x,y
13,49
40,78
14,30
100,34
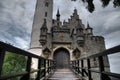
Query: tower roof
x,y
88,26
76,50
58,13
75,12
46,49
44,26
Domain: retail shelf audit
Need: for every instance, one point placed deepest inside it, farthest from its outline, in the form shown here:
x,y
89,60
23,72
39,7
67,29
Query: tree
x,y
91,7
13,63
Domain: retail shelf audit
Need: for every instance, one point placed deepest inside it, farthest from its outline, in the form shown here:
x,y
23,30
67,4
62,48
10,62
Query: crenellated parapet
x,y
97,38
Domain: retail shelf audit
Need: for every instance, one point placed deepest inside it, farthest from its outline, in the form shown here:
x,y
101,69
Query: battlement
x,y
97,38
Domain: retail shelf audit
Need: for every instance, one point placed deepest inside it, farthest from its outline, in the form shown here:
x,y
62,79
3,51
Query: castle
x,y
71,35
62,41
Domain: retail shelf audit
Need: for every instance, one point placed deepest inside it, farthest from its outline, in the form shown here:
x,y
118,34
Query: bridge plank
x,y
63,74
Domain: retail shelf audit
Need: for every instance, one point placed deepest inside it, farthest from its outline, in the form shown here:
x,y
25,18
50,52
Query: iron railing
x,y
45,66
85,71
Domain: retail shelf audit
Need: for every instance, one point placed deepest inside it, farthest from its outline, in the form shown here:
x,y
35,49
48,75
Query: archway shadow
x,y
62,58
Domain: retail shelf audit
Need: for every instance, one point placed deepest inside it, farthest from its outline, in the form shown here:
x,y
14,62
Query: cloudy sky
x,y
16,18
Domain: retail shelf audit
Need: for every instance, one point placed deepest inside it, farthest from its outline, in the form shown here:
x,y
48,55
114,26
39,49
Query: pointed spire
x,y
64,24
58,15
75,11
76,50
89,29
88,26
46,50
64,21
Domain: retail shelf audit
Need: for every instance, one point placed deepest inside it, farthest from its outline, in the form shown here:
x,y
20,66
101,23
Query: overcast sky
x,y
16,18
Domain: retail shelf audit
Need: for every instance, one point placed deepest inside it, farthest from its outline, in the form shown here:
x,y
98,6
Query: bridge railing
x,y
86,70
45,66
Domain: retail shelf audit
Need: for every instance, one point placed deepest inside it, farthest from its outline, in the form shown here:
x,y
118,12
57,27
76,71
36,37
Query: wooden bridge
x,y
47,70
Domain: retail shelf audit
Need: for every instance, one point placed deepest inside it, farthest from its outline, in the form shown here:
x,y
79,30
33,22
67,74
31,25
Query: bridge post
x,y
75,66
82,66
39,67
101,67
48,65
44,68
2,55
78,66
89,72
28,69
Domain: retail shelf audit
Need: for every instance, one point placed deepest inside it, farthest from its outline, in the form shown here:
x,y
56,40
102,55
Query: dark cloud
x,y
105,21
12,34
1,5
114,59
16,19
112,39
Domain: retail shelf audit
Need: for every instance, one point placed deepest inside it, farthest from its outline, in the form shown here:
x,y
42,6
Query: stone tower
x,y
44,10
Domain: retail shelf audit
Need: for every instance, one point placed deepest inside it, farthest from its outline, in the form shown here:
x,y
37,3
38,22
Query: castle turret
x,y
89,30
43,34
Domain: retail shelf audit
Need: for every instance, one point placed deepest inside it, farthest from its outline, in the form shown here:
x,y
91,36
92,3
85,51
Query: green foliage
x,y
91,8
13,63
105,2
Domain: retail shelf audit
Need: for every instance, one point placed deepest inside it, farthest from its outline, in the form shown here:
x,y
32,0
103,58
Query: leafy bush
x,y
13,63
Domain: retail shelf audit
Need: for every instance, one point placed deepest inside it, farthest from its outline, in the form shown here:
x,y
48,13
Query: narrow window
x,y
45,14
46,4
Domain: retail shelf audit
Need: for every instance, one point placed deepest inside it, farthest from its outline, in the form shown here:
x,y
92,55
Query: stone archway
x,y
62,58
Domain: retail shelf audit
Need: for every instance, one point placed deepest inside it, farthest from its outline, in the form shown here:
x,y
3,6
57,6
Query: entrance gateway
x,y
62,58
